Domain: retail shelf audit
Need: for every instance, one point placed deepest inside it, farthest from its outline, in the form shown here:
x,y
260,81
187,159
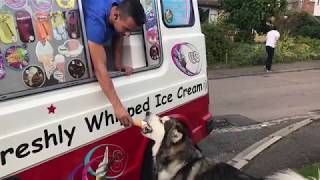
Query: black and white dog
x,y
176,157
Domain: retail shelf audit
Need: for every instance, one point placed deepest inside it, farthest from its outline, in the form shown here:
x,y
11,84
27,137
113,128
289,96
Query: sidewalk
x,y
293,151
259,70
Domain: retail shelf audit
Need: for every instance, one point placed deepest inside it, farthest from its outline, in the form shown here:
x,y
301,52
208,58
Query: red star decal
x,y
51,109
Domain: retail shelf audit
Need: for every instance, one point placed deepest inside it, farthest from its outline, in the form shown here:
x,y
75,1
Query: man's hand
x,y
99,59
118,47
126,69
123,116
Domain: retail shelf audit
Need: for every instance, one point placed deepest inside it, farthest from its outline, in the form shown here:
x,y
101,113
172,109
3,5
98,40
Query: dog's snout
x,y
148,113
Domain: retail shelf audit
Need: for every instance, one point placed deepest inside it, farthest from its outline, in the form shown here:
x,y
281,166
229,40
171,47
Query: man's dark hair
x,y
134,9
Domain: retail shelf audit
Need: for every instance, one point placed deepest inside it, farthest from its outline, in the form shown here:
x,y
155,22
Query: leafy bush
x,y
244,54
218,43
244,36
223,51
314,46
297,49
310,31
288,50
300,24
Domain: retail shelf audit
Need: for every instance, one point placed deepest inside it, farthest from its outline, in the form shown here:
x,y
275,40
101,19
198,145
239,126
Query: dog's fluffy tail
x,y
286,175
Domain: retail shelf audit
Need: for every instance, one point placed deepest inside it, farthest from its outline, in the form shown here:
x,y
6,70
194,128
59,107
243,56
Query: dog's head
x,y
163,131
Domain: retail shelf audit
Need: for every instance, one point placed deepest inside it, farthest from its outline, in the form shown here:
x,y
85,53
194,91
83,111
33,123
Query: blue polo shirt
x,y
96,22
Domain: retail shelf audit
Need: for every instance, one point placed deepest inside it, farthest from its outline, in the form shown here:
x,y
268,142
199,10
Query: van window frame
x,y
115,74
90,70
179,26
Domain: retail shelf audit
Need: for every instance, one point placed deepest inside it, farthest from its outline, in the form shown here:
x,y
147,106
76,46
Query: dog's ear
x,y
176,136
164,119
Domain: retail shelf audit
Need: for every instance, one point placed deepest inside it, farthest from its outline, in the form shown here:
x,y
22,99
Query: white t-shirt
x,y
272,38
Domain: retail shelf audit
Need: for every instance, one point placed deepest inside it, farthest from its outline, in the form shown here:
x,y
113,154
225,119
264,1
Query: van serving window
x,y
142,49
177,13
44,51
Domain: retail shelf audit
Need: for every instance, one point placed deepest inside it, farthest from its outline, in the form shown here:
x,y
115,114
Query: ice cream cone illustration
x,y
103,166
59,62
44,53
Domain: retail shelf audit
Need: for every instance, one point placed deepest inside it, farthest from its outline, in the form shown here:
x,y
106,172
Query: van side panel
x,y
70,165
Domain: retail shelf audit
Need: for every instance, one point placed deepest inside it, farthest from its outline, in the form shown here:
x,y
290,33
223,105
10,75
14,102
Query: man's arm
x,y
99,59
117,44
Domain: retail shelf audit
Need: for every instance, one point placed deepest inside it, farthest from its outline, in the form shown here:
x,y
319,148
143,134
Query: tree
x,y
253,14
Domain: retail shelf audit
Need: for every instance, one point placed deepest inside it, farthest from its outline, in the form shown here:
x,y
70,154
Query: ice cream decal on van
x,y
33,76
25,27
17,57
187,58
58,26
66,4
44,53
15,4
109,164
8,33
2,68
42,5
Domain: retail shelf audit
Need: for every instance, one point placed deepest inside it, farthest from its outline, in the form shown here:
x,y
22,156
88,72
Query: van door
x,y
183,44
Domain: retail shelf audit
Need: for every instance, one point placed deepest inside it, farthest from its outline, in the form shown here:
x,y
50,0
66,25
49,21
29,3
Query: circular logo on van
x,y
42,5
187,58
106,161
17,57
76,68
15,4
33,76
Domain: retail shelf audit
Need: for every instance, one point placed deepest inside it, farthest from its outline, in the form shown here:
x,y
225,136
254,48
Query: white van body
x,y
66,132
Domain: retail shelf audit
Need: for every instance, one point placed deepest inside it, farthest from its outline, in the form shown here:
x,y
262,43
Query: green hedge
x,y
222,51
244,54
218,43
297,49
289,50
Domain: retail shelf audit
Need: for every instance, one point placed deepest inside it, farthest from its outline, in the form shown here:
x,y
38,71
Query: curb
x,y
262,73
243,158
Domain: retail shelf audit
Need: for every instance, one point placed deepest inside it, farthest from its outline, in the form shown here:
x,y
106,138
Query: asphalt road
x,y
266,97
248,109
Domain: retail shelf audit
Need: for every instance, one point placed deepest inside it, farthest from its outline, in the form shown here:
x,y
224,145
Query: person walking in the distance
x,y
271,41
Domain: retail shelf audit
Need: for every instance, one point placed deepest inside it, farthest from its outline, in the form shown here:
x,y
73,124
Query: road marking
x,y
243,158
264,124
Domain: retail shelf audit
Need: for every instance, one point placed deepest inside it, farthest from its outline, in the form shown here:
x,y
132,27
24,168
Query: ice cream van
x,y
55,121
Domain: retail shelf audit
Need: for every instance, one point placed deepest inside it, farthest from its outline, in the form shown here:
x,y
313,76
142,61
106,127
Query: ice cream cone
x,y
139,123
